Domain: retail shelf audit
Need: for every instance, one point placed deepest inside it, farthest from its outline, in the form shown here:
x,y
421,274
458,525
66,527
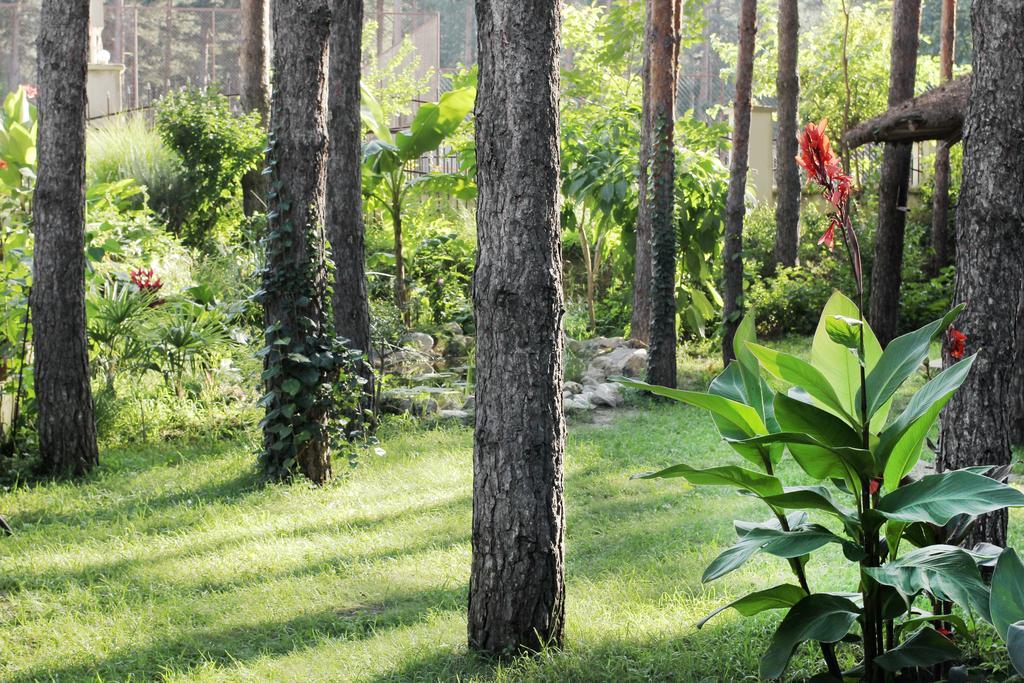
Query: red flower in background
x,y
3,164
957,342
31,91
945,632
147,282
874,485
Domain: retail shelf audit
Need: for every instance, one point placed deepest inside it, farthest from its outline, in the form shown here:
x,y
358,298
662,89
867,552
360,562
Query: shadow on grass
x,y
239,644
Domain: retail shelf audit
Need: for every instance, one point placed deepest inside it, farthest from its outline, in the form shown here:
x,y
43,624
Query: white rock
x,y
623,361
607,395
418,341
572,387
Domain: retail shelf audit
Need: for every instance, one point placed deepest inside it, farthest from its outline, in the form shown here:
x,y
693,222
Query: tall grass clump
x,y
129,147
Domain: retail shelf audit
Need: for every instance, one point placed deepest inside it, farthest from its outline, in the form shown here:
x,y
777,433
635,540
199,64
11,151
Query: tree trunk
x,y
886,276
295,277
940,235
735,209
640,321
344,198
661,358
517,580
255,90
990,254
67,430
401,300
787,173
118,53
168,41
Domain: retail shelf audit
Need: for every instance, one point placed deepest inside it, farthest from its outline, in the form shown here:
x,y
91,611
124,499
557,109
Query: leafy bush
x,y
789,302
127,147
217,148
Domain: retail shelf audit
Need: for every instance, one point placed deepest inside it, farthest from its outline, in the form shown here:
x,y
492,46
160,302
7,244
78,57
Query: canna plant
x,y
833,416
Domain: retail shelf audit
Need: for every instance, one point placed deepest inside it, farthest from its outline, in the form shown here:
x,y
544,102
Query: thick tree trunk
x,y
295,277
517,580
661,359
940,235
990,253
787,173
886,276
936,115
344,197
255,90
734,205
67,430
640,321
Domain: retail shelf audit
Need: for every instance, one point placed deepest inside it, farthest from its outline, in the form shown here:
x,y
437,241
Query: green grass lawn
x,y
173,563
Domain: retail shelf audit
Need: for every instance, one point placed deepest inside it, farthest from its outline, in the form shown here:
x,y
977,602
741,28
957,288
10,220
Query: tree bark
x,y
345,228
67,430
640,321
661,358
517,580
735,209
936,115
940,234
255,90
990,254
295,277
787,173
886,276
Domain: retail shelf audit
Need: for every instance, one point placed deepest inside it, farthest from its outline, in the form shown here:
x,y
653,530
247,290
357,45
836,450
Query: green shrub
x,y
128,147
217,149
790,302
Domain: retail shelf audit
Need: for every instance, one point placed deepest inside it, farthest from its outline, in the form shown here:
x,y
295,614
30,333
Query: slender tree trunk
x,y
517,580
295,277
990,253
661,359
886,276
345,228
168,41
735,208
401,298
467,36
118,54
787,173
940,236
255,90
67,430
640,322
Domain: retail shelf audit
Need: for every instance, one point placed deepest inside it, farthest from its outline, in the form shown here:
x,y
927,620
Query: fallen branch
x,y
936,115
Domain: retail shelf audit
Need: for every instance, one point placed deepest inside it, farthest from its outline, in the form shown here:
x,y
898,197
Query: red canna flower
x,y
874,485
957,342
824,168
945,632
31,91
3,165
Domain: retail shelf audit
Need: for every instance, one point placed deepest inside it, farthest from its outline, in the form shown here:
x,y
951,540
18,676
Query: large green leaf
x,y
736,384
1015,646
380,157
800,373
819,617
725,475
434,122
752,537
1007,601
945,571
809,498
815,456
837,363
900,444
938,498
372,116
778,597
794,415
785,544
901,358
927,647
742,420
